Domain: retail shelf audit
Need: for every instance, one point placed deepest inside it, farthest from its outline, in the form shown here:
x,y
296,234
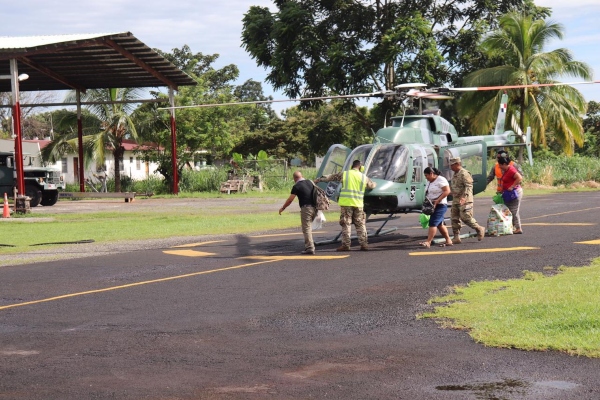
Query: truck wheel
x,y
34,194
49,198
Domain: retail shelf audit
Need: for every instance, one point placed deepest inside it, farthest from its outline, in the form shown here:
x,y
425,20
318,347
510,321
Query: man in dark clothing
x,y
303,188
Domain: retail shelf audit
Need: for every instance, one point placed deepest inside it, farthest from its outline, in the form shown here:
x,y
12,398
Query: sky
x,y
214,27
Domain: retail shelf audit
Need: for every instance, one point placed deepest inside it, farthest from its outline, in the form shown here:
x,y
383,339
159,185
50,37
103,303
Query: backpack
x,y
320,198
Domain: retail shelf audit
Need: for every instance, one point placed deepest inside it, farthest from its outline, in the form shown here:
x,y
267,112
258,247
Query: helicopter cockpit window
x,y
360,153
418,168
430,157
336,161
389,163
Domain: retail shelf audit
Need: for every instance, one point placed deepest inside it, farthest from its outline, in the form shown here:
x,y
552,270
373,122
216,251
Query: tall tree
x,y
318,47
518,48
211,131
306,133
33,125
105,128
591,124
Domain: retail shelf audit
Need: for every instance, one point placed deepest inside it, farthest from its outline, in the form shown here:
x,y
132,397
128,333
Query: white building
x,y
131,165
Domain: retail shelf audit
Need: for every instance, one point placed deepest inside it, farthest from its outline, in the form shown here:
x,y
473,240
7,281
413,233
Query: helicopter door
x,y
332,163
421,158
473,158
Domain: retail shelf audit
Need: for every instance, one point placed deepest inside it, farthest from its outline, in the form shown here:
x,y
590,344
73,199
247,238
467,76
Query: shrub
x,y
562,170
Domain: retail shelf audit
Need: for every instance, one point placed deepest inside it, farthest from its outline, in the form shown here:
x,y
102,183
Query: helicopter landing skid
x,y
380,231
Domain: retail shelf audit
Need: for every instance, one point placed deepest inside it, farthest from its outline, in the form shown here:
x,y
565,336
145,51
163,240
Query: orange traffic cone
x,y
6,210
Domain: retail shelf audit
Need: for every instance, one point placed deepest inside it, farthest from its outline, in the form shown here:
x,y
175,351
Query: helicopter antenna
x,y
403,113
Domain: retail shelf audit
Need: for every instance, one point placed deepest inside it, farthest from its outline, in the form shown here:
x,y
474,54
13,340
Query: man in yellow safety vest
x,y
354,185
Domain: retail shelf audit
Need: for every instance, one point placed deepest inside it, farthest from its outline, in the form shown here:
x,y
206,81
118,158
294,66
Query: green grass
x,y
560,312
111,226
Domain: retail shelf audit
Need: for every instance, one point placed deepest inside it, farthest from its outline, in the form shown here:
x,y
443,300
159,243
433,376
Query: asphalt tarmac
x,y
248,317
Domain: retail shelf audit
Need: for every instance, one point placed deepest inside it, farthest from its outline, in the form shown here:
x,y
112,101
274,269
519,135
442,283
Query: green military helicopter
x,y
399,154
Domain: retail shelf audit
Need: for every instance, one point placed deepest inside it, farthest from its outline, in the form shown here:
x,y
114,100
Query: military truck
x,y
41,183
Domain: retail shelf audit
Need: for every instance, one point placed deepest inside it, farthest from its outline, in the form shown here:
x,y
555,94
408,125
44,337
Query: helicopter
x,y
399,154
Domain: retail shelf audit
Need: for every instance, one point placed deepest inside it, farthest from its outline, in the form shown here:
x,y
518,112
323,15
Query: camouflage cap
x,y
455,160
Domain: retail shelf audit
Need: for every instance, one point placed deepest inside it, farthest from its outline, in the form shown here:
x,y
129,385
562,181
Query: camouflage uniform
x,y
356,216
462,187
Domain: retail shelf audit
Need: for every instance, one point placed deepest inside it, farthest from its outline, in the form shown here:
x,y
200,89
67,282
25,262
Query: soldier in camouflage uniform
x,y
354,184
462,201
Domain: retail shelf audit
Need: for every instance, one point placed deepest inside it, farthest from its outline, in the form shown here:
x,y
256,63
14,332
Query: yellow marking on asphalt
x,y
199,243
130,285
560,224
188,253
282,234
589,242
494,250
562,213
306,257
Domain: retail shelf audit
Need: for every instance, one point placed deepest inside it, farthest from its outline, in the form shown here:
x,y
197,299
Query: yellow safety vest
x,y
353,189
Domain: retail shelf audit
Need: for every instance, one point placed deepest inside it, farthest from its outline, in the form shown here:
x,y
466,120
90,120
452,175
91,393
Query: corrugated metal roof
x,y
87,61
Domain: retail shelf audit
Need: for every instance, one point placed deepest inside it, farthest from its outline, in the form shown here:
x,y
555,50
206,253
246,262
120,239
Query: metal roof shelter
x,y
81,62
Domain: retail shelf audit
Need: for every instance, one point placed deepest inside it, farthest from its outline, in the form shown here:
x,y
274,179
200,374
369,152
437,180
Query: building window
x,y
65,169
121,164
138,164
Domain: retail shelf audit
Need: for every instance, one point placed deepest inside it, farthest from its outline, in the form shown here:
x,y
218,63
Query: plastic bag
x,y
510,195
498,198
424,220
499,221
318,221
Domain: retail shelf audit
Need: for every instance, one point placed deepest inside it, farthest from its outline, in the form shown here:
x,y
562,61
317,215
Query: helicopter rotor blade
x,y
533,85
400,92
346,96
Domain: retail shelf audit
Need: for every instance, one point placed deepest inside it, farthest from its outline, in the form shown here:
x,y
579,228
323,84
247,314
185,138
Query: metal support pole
x,y
175,189
16,112
80,142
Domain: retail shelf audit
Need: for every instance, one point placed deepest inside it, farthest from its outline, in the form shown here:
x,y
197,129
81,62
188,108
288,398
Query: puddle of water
x,y
497,390
490,390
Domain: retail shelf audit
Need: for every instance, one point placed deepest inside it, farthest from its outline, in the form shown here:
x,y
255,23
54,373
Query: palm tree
x,y
518,44
105,126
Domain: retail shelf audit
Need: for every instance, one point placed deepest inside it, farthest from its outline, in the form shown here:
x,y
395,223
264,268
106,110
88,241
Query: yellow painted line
x,y
199,244
589,242
188,253
283,234
495,250
562,213
305,258
108,289
560,224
